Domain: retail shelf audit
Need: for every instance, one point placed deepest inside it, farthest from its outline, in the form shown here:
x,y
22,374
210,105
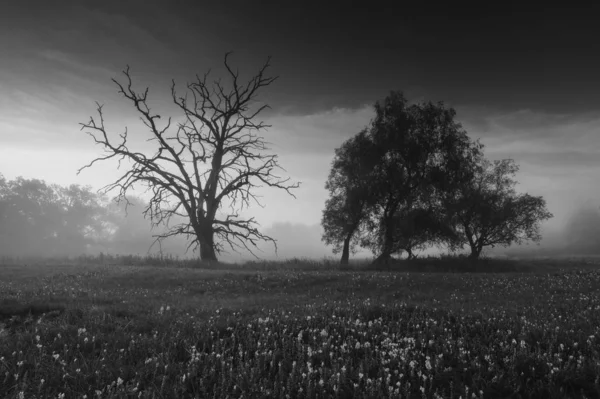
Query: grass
x,y
433,328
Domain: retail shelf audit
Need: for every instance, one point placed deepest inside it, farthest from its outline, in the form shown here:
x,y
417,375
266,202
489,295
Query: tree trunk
x,y
475,251
205,235
383,259
346,251
410,253
388,243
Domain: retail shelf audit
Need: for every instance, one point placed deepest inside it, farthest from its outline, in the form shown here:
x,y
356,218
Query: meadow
x,y
298,329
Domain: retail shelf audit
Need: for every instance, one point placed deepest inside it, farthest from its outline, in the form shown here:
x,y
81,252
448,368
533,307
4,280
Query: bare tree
x,y
214,159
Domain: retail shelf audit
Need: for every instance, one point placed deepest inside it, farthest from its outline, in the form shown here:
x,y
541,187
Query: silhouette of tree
x,y
424,152
346,209
390,182
214,159
489,212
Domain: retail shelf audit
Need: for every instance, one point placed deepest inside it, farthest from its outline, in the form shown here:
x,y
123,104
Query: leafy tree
x,y
30,217
423,151
348,185
390,182
82,219
489,212
213,160
41,219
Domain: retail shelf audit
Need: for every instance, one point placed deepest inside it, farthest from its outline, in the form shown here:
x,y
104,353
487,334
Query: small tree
x,y
489,212
214,159
346,209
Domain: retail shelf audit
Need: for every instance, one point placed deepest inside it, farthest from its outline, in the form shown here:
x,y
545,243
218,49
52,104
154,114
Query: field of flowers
x,y
150,332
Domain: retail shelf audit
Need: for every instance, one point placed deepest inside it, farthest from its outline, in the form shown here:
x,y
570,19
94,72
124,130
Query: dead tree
x,y
215,159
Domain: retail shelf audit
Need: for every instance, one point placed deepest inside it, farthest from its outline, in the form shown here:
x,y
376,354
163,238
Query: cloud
x,y
559,154
532,131
317,133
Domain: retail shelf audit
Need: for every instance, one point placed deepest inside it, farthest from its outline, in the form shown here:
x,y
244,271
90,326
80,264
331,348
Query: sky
x,y
522,80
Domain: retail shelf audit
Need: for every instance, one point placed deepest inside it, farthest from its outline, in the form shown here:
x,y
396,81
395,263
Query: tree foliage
x,y
42,219
214,160
414,179
346,209
490,212
409,147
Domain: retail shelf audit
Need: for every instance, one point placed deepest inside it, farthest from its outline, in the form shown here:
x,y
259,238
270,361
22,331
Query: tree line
x,y
413,179
44,220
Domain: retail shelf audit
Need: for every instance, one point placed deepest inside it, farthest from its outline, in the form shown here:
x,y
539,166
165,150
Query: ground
x,y
300,330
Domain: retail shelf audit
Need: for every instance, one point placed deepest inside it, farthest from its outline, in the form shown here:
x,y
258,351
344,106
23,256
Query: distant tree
x,y
4,213
489,212
423,152
214,160
346,210
128,232
41,219
82,220
30,219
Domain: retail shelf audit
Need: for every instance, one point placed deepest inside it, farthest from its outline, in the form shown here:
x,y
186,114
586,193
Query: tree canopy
x,y
413,178
347,208
490,212
47,219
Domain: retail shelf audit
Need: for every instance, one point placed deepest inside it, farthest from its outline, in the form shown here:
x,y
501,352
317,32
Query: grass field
x,y
299,329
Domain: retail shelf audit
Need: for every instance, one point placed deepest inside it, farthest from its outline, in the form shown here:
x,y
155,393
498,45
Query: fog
x,y
578,235
38,219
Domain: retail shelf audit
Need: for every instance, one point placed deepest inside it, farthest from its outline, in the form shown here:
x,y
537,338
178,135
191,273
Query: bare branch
x,y
214,156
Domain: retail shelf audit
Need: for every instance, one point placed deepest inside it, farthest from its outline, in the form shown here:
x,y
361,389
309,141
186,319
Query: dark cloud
x,y
332,56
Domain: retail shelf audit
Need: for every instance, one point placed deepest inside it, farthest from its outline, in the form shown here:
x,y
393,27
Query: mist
x,y
39,219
